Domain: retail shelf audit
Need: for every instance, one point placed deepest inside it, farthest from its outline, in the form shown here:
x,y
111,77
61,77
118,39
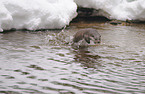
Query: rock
x,y
115,22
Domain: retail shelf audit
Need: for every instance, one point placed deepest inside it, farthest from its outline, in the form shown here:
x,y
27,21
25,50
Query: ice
x,y
117,9
36,14
55,14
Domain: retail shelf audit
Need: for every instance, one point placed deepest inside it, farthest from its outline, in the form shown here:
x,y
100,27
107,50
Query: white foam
x,y
117,9
36,14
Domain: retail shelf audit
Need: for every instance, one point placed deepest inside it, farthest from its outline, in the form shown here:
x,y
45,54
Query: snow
x,y
56,14
117,9
36,14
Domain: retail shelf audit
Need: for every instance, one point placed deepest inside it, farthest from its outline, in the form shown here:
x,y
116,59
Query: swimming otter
x,y
85,37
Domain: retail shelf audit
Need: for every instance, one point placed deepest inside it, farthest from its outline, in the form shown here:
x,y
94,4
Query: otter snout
x,y
98,41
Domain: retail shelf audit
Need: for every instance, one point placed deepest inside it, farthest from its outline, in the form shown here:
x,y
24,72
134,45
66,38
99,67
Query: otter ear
x,y
87,38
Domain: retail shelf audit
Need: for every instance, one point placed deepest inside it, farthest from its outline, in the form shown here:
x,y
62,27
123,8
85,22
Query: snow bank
x,y
36,14
53,14
117,9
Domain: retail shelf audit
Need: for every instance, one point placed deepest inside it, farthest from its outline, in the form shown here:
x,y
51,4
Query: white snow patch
x,y
36,14
117,9
55,14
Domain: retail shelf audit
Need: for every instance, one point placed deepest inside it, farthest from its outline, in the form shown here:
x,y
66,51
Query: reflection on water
x,y
45,63
86,58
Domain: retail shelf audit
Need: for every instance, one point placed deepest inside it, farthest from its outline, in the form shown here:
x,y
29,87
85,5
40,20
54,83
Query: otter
x,y
84,37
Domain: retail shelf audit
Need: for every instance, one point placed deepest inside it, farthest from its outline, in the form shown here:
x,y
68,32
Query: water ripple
x,y
41,63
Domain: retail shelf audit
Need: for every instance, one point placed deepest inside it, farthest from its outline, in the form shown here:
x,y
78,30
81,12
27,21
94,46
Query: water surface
x,y
44,62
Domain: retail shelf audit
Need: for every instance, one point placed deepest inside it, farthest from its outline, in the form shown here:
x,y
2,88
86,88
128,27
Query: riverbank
x,y
92,15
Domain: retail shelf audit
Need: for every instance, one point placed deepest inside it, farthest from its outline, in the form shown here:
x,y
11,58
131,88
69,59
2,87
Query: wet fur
x,y
83,37
87,34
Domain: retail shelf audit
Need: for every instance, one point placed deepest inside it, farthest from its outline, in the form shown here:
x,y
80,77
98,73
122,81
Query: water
x,y
43,62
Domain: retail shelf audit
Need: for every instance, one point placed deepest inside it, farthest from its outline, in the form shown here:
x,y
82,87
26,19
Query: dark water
x,y
43,62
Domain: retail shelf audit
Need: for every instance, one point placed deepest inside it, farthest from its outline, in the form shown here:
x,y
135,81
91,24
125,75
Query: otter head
x,y
92,35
